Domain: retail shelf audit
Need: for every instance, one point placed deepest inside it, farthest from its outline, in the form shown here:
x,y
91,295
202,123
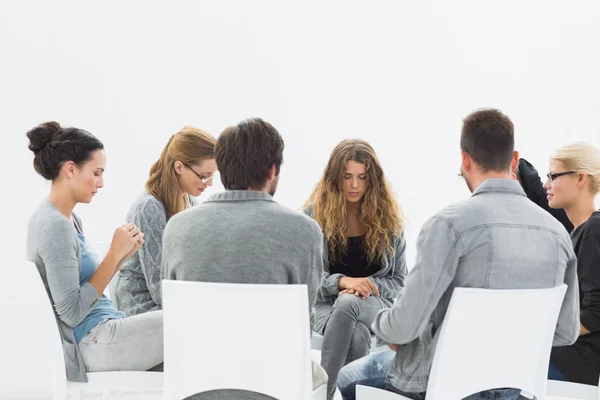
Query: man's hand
x,y
582,330
360,287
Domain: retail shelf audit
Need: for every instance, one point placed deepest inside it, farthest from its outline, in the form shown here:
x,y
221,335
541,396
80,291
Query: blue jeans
x,y
555,375
373,369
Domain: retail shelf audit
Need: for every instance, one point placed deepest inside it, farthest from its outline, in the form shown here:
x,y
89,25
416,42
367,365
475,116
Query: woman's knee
x,y
347,303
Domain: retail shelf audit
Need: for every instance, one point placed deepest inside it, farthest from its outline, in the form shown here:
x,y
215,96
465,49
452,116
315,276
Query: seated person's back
x,y
505,241
496,239
243,237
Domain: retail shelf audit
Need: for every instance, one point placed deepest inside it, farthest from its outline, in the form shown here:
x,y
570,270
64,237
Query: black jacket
x,y
580,362
534,189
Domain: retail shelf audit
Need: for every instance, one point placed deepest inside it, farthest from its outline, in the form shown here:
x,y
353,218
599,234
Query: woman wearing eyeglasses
x,y
573,183
184,170
364,258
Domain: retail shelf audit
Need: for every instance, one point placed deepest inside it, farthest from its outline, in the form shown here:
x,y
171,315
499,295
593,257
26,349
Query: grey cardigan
x,y
138,283
53,245
389,279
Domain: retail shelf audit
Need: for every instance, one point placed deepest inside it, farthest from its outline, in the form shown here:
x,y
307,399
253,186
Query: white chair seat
x,y
569,390
320,393
119,381
366,392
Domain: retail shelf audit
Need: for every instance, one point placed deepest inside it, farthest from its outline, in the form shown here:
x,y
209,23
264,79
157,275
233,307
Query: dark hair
x,y
245,153
488,137
54,145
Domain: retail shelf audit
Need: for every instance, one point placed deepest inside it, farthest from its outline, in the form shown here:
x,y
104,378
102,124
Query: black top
x,y
534,189
581,362
355,263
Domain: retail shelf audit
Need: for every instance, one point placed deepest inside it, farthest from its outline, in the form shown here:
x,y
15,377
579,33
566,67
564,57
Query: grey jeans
x,y
125,344
346,330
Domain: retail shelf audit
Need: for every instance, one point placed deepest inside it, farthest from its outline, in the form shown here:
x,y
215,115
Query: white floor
x,y
147,396
158,396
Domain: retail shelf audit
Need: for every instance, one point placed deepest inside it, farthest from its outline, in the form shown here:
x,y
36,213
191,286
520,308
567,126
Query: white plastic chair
x,y
491,339
264,331
570,390
34,366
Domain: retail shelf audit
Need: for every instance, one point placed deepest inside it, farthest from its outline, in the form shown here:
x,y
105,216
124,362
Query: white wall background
x,y
399,74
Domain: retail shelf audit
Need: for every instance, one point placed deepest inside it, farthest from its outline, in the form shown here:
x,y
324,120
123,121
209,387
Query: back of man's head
x,y
488,137
245,154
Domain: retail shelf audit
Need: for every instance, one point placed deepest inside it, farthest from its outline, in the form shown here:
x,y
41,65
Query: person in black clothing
x,y
364,258
573,183
530,180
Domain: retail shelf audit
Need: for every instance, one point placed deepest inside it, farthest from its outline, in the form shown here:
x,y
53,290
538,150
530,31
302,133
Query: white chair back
x,y
495,339
263,333
29,340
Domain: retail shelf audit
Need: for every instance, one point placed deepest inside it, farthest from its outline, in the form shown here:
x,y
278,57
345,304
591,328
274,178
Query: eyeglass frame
x,y
552,177
204,180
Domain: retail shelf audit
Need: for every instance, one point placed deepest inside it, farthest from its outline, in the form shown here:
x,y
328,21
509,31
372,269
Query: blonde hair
x,y
380,214
190,146
583,158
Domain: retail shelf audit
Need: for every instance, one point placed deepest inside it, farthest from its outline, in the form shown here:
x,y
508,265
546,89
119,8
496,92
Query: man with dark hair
x,y
495,239
248,153
242,235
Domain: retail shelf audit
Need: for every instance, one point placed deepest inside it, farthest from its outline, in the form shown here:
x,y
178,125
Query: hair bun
x,y
41,135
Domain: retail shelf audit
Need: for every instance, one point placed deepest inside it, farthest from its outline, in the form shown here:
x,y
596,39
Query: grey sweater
x,y
53,246
243,237
138,283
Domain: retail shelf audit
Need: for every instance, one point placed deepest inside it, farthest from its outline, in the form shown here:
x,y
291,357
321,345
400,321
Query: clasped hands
x,y
359,287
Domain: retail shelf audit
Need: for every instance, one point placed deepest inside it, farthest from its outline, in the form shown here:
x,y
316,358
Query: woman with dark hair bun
x,y
95,335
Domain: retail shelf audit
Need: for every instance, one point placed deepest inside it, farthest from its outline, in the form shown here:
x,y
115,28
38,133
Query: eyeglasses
x,y
204,180
552,177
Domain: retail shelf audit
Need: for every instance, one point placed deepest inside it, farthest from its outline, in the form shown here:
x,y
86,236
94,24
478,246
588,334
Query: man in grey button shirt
x,y
242,235
495,239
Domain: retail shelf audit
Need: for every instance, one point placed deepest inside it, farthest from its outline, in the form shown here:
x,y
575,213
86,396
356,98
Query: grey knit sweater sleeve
x,y
53,243
141,291
390,283
151,219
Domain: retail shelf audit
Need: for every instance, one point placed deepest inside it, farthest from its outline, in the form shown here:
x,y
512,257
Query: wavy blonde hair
x,y
190,146
583,158
380,215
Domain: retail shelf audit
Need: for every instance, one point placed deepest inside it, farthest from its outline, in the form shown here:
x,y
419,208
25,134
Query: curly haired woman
x,y
364,257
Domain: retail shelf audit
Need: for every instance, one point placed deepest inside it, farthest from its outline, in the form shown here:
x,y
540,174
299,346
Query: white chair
x,y
491,339
571,390
264,335
34,366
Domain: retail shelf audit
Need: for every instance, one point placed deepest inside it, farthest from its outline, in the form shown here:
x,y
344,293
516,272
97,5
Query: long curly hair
x,y
380,216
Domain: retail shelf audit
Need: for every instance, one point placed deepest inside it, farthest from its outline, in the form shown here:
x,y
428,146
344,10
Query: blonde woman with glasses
x,y
573,184
184,170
